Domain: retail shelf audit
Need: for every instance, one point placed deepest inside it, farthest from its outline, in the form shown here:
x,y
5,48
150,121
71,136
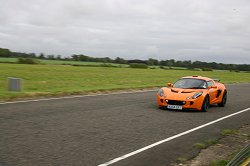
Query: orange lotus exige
x,y
192,93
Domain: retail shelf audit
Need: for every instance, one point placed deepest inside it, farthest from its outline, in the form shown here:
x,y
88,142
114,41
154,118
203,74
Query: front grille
x,y
176,102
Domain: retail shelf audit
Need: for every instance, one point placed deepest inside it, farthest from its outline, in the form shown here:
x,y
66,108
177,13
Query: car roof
x,y
199,77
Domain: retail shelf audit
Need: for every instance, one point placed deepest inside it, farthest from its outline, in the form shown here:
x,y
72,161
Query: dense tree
x,y
80,58
5,52
58,57
41,56
151,62
120,60
32,55
168,63
51,57
137,61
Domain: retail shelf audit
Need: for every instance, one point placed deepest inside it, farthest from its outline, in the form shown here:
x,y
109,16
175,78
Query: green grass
x,y
62,62
200,145
42,80
8,60
219,163
211,142
229,132
181,159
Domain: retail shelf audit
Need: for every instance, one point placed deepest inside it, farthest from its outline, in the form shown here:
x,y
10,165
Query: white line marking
x,y
170,138
76,96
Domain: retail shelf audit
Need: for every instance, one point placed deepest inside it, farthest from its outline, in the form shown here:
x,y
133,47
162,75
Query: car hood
x,y
180,94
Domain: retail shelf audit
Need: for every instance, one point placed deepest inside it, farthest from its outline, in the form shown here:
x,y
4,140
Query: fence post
x,y
14,84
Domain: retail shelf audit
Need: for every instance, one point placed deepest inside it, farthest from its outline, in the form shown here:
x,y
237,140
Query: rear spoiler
x,y
216,80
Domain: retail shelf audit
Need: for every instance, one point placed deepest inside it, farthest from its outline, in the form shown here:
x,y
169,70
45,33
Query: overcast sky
x,y
205,30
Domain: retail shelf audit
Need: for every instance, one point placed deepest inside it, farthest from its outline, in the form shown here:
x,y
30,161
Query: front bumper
x,y
191,104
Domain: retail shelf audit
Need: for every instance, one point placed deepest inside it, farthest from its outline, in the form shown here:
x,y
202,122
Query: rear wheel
x,y
205,104
224,100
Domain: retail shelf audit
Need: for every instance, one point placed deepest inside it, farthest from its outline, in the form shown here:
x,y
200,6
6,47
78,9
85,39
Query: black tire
x,y
205,104
224,100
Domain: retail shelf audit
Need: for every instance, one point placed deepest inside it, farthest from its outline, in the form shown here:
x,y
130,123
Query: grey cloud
x,y
208,30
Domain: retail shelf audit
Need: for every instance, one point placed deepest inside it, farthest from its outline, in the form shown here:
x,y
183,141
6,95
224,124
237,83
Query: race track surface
x,y
92,130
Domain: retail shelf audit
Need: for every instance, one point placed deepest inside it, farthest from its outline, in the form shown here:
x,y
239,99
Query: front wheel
x,y
205,104
224,100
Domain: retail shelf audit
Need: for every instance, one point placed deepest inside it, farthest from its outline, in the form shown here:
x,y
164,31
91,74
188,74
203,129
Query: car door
x,y
212,91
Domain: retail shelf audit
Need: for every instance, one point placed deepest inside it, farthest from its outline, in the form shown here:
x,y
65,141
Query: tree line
x,y
150,62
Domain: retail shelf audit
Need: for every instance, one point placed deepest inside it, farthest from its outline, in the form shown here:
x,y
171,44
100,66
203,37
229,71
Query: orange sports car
x,y
192,93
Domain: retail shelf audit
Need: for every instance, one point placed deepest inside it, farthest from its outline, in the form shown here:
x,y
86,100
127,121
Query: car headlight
x,y
197,94
161,93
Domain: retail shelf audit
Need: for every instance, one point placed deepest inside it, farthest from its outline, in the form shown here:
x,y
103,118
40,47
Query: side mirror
x,y
170,85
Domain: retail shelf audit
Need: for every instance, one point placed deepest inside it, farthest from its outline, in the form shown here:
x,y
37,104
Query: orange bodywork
x,y
183,97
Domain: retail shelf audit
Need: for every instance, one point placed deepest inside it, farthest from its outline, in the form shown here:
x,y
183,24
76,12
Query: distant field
x,y
76,63
12,60
61,62
44,80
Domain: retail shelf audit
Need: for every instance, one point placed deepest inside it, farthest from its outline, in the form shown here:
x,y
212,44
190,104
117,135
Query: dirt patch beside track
x,y
224,150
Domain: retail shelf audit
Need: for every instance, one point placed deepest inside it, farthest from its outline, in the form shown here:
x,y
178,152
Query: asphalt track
x,y
93,130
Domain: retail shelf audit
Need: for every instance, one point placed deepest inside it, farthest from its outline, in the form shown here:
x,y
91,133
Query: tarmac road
x,y
92,130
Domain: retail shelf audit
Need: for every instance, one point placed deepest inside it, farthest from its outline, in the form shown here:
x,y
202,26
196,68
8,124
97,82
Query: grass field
x,y
9,60
62,62
46,80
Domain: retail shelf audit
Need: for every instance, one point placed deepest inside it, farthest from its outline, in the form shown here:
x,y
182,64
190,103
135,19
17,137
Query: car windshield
x,y
190,83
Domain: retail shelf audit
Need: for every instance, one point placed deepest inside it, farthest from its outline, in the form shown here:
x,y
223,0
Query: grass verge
x,y
223,150
229,132
219,163
57,80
